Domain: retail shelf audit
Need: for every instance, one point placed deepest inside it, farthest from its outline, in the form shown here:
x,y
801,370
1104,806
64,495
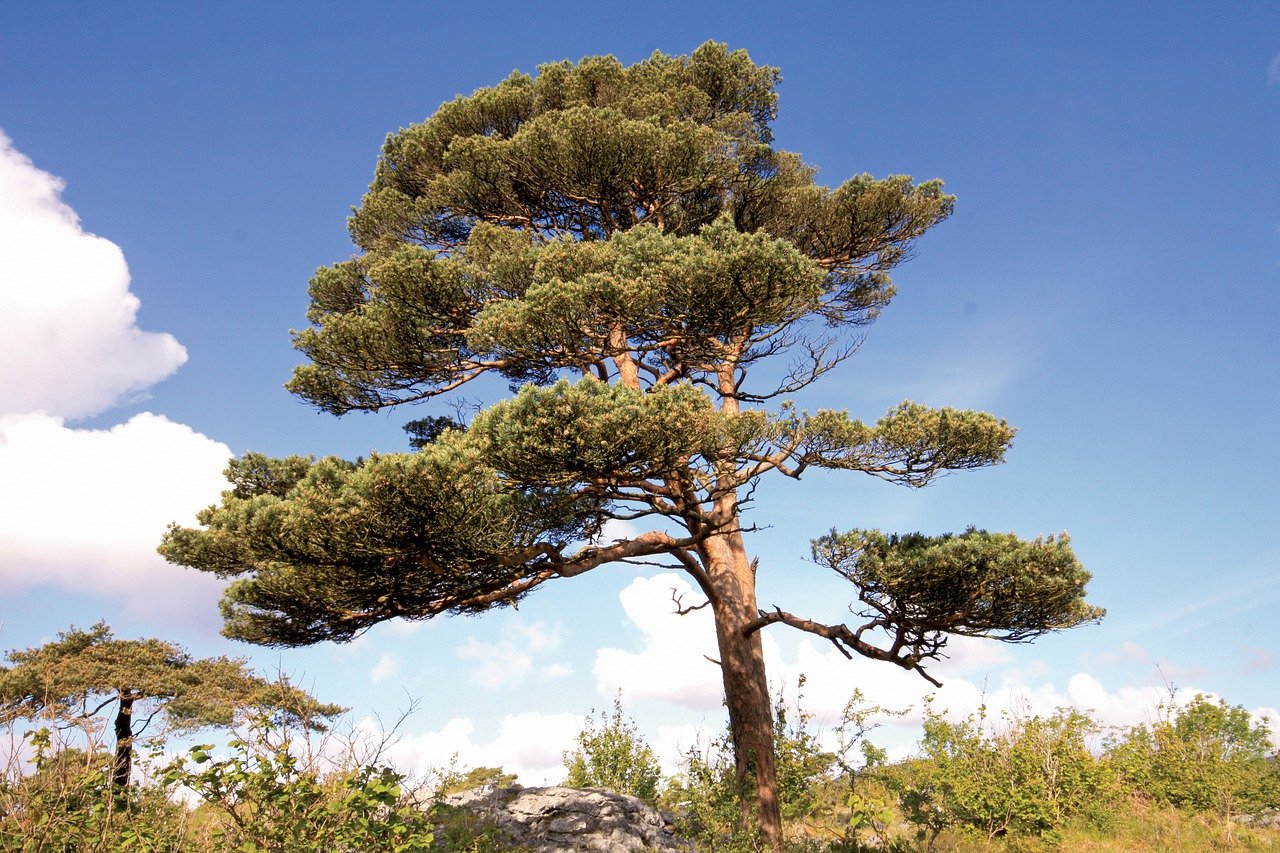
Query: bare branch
x,y
681,610
847,640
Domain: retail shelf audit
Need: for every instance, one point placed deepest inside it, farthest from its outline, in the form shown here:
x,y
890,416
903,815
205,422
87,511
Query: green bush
x,y
1206,756
1026,779
68,803
610,754
264,797
823,795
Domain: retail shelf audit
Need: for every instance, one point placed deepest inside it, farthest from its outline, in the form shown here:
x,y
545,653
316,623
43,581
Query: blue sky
x,y
1108,283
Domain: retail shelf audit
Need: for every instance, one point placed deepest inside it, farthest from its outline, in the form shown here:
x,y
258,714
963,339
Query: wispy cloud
x,y
1258,661
1273,72
1129,652
1255,585
388,666
509,660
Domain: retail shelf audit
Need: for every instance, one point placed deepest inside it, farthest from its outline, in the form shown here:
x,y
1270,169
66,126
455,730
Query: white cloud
x,y
1273,72
672,665
615,530
976,654
85,509
669,667
556,671
674,743
388,666
509,660
531,745
68,339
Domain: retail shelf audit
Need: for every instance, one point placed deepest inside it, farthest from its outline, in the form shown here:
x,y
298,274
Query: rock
x,y
1268,818
569,820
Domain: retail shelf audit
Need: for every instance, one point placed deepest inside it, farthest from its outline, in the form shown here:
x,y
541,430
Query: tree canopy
x,y
627,249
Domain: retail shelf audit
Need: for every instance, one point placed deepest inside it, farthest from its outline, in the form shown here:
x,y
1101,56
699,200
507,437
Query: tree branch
x,y
845,639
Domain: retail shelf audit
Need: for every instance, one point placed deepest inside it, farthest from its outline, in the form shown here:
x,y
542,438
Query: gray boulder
x,y
569,820
1268,818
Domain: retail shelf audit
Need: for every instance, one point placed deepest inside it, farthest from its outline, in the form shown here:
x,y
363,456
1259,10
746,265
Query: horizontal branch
x,y
845,639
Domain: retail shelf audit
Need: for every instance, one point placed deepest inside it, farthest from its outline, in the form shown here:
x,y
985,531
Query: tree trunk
x,y
746,688
123,766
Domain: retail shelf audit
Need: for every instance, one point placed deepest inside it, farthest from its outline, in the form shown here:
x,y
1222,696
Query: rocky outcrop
x,y
569,820
1265,819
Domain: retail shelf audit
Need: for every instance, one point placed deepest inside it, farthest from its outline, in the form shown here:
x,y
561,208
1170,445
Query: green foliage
x,y
69,803
824,794
424,431
804,767
1204,756
267,798
350,545
575,434
454,782
1027,784
1027,778
85,667
610,754
920,589
975,584
704,798
911,445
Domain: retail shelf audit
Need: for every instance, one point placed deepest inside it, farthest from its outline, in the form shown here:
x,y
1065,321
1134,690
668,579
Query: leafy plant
x,y
1206,756
270,799
1026,778
610,754
68,802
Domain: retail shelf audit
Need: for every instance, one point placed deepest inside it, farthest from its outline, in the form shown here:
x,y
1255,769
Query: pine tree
x,y
84,673
626,247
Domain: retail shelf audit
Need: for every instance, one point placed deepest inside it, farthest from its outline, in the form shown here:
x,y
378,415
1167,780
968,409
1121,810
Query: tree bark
x,y
746,687
123,766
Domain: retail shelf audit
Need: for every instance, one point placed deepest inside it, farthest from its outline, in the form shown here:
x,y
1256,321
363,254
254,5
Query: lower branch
x,y
844,639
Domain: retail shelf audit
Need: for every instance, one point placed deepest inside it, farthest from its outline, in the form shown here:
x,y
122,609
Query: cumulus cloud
x,y
68,338
510,659
85,509
672,664
669,666
531,745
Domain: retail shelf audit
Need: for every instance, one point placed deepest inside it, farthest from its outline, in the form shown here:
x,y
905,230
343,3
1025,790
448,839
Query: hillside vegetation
x,y
1202,776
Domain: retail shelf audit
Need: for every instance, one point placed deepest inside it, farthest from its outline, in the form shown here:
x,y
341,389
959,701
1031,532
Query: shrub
x,y
266,798
1027,778
610,754
69,803
1206,756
